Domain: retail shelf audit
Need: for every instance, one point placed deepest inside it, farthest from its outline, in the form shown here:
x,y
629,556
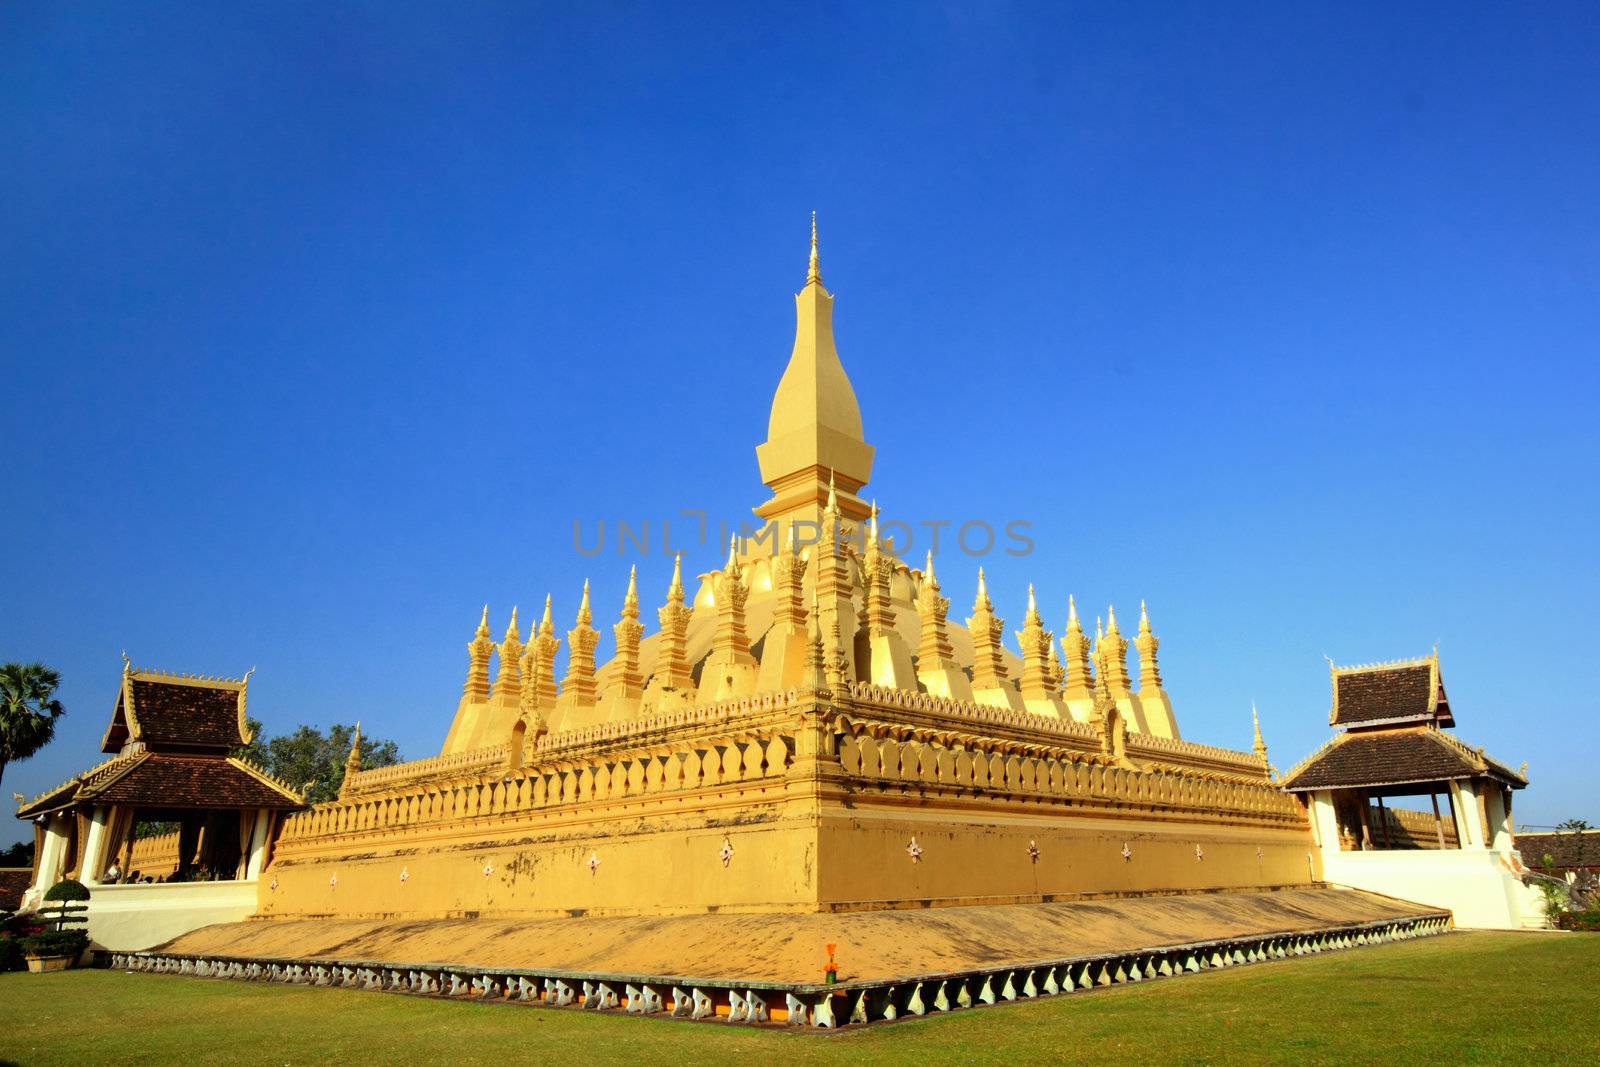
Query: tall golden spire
x,y
626,683
478,652
1260,746
1147,643
1114,656
545,646
988,662
1079,680
815,423
508,679
579,684
672,659
730,669
352,762
937,668
1035,642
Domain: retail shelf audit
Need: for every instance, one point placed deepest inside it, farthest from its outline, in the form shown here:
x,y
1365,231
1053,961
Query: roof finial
x,y
929,577
632,595
733,552
546,624
982,601
833,498
1144,619
676,588
585,615
1072,611
814,270
511,630
483,622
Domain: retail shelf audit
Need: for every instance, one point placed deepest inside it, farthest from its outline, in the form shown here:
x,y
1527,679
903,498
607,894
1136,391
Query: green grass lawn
x,y
1477,997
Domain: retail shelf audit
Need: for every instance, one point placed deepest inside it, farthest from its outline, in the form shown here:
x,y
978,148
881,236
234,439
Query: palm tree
x,y
28,710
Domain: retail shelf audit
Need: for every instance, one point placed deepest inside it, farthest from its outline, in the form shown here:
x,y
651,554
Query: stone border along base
x,y
794,1004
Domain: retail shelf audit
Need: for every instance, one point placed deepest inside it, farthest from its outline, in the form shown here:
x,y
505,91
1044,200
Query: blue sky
x,y
320,326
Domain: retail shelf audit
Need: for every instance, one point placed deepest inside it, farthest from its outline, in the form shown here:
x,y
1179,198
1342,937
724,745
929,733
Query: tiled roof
x,y
159,779
14,882
1393,757
1565,848
177,712
1409,691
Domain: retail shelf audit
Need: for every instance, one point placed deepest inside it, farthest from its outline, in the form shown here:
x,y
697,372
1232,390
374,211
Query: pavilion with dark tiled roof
x,y
173,741
1391,743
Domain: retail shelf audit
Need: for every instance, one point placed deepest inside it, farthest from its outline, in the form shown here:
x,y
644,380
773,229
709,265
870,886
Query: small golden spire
x,y
832,507
585,616
546,625
872,524
352,763
928,576
1260,746
1144,619
631,598
982,602
1072,612
483,623
1111,619
814,270
733,552
511,629
1033,607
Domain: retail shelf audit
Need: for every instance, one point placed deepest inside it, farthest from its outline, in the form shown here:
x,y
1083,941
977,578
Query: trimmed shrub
x,y
56,943
1579,920
67,889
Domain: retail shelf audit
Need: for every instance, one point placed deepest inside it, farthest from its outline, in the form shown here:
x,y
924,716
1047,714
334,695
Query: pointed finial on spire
x,y
511,627
929,576
832,507
982,601
1260,746
585,616
1111,619
1033,607
872,524
733,552
483,622
676,588
1099,631
1144,618
814,270
632,595
546,623
1072,612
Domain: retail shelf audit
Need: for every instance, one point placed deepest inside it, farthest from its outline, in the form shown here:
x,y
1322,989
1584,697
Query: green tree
x,y
1574,825
316,759
28,710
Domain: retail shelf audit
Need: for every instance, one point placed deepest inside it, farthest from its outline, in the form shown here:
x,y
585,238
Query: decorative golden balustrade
x,y
888,752
736,757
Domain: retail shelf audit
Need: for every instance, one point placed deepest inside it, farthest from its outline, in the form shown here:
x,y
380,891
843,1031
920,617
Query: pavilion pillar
x,y
94,845
1324,822
52,852
1499,834
1464,801
258,844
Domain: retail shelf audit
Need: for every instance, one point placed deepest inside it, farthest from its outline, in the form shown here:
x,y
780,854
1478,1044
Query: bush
x,y
67,889
56,943
1579,920
10,953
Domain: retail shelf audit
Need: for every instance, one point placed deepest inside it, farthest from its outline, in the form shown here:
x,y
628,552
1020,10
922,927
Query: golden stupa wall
x,y
791,801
